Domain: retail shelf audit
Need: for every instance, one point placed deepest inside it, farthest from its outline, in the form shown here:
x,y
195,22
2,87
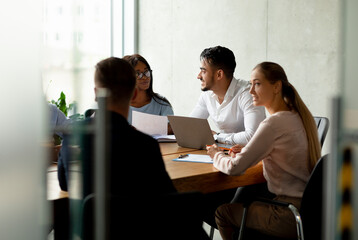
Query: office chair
x,y
308,218
167,216
322,124
89,112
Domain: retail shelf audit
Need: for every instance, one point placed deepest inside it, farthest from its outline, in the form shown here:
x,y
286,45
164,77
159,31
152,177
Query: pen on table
x,y
222,148
183,155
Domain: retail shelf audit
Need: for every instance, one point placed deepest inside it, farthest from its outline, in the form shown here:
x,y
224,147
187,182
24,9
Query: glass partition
x,y
341,196
23,206
77,35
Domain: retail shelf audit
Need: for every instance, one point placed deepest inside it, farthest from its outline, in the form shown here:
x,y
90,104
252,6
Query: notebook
x,y
196,158
192,132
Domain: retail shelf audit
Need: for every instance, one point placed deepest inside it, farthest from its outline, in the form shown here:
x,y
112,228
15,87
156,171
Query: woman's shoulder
x,y
159,99
284,118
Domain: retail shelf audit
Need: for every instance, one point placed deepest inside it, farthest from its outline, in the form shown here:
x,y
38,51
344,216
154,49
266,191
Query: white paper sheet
x,y
164,138
199,158
149,123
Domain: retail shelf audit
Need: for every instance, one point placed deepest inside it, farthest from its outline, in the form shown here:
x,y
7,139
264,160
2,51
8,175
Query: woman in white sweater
x,y
287,144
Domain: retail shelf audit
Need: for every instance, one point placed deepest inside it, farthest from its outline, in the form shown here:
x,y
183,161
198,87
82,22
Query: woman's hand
x,y
212,150
235,149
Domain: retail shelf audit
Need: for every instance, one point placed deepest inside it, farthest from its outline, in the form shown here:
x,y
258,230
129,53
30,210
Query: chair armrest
x,y
273,202
248,202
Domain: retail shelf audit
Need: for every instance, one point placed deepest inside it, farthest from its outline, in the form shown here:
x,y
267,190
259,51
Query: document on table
x,y
149,123
198,158
164,138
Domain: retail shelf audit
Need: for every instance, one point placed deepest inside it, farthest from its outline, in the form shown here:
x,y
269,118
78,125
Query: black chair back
x,y
311,206
89,112
322,124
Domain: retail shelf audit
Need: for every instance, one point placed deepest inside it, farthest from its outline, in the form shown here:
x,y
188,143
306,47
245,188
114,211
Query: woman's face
x,y
142,72
262,91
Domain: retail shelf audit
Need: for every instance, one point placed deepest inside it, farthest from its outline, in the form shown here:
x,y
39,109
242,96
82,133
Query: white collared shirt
x,y
236,117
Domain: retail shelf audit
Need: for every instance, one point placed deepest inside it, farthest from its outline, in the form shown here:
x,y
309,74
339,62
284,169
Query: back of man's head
x,y
118,76
221,58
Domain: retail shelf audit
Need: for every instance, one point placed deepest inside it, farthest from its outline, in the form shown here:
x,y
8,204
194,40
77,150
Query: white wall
x,y
300,35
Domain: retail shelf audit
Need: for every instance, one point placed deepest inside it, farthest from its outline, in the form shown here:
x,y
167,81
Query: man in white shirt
x,y
228,102
225,99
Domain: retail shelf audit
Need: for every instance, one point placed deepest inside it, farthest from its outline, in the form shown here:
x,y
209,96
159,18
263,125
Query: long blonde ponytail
x,y
314,146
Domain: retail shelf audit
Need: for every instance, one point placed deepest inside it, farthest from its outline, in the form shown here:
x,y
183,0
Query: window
x,y
77,35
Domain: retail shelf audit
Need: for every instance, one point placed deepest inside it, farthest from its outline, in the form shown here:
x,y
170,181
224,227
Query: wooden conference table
x,y
186,176
203,177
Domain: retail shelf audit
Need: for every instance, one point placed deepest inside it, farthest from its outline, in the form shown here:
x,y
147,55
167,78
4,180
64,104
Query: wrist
x,y
216,137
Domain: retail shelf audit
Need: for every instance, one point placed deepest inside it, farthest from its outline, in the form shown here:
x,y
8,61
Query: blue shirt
x,y
57,119
154,107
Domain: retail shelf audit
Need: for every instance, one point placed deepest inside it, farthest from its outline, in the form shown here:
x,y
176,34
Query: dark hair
x,y
220,57
133,60
118,76
274,73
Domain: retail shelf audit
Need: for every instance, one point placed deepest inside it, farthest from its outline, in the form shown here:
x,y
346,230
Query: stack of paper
x,y
164,138
198,158
154,125
149,123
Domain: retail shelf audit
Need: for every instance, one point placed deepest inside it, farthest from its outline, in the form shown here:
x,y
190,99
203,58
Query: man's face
x,y
206,76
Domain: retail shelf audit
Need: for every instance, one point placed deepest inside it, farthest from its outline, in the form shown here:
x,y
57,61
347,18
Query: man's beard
x,y
205,89
208,87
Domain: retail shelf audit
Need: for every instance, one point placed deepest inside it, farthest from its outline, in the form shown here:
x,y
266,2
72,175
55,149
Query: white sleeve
x,y
253,116
260,146
200,110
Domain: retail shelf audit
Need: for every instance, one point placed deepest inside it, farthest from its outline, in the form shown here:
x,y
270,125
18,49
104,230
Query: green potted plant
x,y
62,105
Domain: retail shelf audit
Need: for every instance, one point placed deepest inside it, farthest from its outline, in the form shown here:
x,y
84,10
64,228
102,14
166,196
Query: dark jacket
x,y
136,164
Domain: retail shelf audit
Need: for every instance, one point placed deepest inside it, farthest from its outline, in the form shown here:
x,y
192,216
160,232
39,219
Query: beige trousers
x,y
268,219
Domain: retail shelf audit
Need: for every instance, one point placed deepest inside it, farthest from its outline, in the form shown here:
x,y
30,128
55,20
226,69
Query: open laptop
x,y
193,132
